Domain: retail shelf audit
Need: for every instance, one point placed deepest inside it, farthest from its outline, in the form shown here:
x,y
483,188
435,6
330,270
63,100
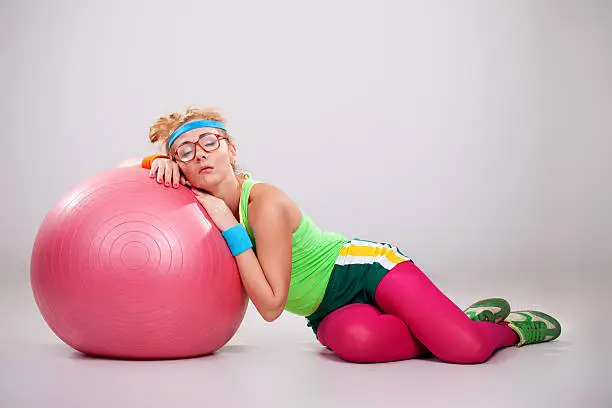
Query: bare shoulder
x,y
267,200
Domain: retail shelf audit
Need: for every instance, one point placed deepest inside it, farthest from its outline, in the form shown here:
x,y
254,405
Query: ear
x,y
232,152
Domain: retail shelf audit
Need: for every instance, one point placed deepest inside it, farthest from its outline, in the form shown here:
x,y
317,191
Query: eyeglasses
x,y
209,142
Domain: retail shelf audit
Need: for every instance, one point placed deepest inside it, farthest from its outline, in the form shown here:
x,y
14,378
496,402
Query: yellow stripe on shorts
x,y
357,251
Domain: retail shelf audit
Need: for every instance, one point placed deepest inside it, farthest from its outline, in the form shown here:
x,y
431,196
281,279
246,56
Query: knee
x,y
469,349
354,343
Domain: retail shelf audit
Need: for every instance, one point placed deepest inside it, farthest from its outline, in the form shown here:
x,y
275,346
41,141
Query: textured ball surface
x,y
124,267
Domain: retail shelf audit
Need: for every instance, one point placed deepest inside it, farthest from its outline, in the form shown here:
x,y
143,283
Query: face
x,y
204,156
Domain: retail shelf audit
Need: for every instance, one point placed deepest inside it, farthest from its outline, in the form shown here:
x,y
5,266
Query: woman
x,y
365,301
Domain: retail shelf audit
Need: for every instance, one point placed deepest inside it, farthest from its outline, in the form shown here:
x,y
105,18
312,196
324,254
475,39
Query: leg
x,y
436,321
360,333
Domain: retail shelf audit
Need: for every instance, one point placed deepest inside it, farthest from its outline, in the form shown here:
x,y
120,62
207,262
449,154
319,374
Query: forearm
x,y
144,162
131,163
259,290
265,276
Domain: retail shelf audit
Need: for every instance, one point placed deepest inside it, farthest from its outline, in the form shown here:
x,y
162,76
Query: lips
x,y
205,168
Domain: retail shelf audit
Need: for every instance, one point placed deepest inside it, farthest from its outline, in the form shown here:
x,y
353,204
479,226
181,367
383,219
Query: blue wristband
x,y
237,239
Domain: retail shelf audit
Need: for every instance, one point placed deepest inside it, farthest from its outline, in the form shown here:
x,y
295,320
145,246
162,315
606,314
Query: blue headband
x,y
194,125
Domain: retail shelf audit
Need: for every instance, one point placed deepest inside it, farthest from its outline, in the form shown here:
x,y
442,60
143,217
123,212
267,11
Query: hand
x,y
167,171
216,208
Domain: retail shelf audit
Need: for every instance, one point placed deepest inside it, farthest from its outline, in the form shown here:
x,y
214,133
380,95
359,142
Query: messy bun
x,y
160,131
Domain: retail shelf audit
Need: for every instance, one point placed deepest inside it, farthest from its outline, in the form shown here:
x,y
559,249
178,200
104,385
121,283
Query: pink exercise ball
x,y
123,267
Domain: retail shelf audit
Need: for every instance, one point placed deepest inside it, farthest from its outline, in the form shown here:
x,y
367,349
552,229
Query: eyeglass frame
x,y
195,144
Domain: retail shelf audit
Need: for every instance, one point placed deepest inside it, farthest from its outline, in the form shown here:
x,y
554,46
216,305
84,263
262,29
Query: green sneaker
x,y
533,327
493,310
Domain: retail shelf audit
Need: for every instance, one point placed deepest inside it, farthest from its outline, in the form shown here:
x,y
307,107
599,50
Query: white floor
x,y
281,365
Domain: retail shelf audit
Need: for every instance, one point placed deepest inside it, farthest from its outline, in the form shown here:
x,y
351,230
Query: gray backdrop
x,y
475,135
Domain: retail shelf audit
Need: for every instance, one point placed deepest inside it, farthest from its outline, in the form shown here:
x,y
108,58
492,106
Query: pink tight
x,y
413,318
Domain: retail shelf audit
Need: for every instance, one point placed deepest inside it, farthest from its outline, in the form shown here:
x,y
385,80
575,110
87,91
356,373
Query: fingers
x,y
168,174
163,169
160,174
154,167
176,175
199,196
157,169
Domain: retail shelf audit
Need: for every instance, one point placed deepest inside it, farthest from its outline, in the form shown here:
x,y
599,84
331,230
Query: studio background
x,y
474,135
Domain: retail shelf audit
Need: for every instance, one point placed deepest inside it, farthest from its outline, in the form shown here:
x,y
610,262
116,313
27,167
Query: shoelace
x,y
532,331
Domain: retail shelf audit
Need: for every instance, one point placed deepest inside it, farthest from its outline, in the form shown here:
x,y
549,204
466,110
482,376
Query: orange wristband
x,y
147,161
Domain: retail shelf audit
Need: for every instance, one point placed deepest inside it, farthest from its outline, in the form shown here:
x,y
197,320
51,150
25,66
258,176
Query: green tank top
x,y
314,253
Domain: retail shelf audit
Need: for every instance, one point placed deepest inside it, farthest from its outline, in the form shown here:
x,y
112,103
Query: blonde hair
x,y
160,131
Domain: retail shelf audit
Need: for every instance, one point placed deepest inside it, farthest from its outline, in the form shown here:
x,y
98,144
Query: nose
x,y
202,153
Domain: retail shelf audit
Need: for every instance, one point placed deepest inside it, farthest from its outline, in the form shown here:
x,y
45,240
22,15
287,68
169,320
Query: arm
x,y
131,163
161,167
266,276
144,162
